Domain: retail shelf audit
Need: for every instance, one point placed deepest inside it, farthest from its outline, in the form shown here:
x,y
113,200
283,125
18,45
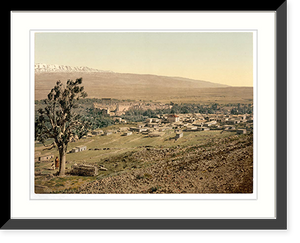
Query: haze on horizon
x,y
219,57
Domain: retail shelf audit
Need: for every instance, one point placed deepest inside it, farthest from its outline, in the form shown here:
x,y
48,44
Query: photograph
x,y
144,112
148,120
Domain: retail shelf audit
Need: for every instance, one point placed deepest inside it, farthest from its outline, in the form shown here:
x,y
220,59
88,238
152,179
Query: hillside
x,y
226,166
147,87
199,162
100,83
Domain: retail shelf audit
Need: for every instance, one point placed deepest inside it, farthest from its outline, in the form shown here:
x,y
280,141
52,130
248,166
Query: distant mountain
x,y
42,68
131,86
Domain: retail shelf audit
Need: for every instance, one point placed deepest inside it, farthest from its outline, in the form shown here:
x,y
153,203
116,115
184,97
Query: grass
x,y
116,144
117,159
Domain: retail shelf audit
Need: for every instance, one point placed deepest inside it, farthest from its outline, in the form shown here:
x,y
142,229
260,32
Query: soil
x,y
222,165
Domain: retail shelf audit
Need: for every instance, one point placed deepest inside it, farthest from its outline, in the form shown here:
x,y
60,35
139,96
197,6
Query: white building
x,y
78,149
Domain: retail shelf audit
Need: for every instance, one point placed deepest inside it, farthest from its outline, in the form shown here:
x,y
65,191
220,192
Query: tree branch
x,y
49,147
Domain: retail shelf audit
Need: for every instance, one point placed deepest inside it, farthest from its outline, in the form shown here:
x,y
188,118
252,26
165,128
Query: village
x,y
155,126
180,123
174,125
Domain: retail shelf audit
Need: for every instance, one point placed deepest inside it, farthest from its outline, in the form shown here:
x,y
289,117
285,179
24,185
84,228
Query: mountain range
x,y
99,83
102,77
42,68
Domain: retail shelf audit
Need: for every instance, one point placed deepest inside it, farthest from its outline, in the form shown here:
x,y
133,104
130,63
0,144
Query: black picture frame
x,y
279,223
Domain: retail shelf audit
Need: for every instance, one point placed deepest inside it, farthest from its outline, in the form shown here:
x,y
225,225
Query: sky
x,y
219,57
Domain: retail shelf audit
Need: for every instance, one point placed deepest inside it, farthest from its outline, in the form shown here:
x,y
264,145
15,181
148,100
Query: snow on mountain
x,y
42,68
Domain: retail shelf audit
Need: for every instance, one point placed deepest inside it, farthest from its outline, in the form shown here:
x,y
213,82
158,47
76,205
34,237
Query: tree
x,y
149,113
57,120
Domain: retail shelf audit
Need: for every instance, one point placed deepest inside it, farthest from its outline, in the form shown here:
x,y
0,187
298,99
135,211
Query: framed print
x,y
148,120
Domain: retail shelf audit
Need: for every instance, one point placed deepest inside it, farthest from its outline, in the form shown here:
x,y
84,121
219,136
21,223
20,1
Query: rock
x,y
49,176
103,169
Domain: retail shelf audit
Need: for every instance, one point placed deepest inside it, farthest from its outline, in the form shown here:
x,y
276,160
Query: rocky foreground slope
x,y
221,166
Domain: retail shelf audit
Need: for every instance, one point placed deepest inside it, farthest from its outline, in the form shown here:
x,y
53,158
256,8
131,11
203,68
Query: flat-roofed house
x,y
203,128
173,118
127,134
138,129
46,157
78,149
191,128
98,132
107,133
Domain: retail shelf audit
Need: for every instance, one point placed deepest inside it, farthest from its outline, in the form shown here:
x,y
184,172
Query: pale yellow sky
x,y
220,57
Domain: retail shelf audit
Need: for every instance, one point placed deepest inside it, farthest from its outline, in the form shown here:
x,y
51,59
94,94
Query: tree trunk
x,y
62,162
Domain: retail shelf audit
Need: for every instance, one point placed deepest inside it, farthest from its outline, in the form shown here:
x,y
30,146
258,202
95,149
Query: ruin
x,y
84,170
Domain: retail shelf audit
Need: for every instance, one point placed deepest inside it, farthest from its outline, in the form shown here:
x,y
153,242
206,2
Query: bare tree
x,y
58,119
